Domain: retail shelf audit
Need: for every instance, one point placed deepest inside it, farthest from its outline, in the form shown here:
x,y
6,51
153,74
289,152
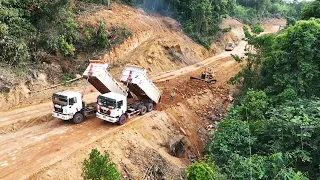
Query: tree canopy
x,y
311,10
272,132
294,61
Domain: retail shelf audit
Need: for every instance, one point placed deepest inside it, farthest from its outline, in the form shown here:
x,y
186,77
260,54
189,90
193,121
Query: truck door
x,y
73,106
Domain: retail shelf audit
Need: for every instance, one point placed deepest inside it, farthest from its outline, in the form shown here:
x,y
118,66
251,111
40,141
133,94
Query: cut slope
x,y
155,41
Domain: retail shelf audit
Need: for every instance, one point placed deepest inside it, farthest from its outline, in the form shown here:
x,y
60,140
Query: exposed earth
x,y
33,145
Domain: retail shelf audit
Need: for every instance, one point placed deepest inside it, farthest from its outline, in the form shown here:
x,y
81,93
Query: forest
x,y
30,28
273,129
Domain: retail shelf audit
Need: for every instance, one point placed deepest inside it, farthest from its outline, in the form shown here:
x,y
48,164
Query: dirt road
x,y
25,117
32,148
239,50
28,150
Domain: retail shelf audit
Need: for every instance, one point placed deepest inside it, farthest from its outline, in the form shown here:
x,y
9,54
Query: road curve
x,y
27,151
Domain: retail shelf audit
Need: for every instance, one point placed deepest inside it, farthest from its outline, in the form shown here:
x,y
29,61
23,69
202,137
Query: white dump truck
x,y
112,104
115,107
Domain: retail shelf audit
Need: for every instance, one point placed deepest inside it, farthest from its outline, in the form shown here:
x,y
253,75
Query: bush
x,y
13,51
202,171
99,167
119,34
102,39
65,48
257,29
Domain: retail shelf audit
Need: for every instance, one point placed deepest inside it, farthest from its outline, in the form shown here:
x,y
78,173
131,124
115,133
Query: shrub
x,y
99,166
257,29
13,51
119,34
65,48
102,39
203,170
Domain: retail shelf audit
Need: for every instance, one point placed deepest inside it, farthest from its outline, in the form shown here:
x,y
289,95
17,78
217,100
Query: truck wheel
x,y
122,119
142,109
149,107
77,118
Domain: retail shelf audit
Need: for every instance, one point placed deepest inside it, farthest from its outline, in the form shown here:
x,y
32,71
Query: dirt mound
x,y
272,25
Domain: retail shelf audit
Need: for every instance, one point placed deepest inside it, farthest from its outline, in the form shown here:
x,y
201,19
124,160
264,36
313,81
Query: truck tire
x,y
77,118
122,119
142,109
149,107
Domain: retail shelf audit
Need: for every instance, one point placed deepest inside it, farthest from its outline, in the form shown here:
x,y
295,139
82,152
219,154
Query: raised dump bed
x,y
139,84
101,79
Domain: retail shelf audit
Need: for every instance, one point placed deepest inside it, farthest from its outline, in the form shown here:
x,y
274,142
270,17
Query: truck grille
x,y
59,110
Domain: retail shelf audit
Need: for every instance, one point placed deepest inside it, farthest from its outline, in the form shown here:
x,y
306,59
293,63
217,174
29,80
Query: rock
x,y
215,118
209,127
149,61
177,145
183,131
4,89
192,158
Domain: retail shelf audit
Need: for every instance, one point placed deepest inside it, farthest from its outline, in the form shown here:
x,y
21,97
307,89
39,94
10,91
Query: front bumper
x,y
62,116
107,118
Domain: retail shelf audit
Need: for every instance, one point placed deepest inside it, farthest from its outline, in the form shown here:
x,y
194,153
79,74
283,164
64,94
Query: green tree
x,y
283,146
294,60
253,105
99,167
249,76
257,29
311,10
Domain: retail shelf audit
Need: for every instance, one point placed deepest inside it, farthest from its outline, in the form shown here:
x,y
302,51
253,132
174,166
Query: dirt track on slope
x,y
35,148
29,150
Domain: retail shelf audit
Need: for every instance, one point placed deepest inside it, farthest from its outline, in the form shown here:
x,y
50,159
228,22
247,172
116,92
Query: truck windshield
x,y
107,102
59,99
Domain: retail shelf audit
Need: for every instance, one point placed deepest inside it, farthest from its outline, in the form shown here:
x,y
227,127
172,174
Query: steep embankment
x,y
152,142
157,44
141,147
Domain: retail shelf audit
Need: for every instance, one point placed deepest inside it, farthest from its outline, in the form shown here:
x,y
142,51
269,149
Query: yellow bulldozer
x,y
206,76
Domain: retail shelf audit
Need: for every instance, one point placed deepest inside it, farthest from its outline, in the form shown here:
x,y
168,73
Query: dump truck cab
x,y
229,46
66,104
111,106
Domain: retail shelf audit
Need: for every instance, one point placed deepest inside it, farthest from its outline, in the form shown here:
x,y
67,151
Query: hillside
x,y
157,44
247,124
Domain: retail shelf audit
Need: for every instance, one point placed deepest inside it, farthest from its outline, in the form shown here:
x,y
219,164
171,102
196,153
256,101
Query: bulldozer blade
x,y
191,77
